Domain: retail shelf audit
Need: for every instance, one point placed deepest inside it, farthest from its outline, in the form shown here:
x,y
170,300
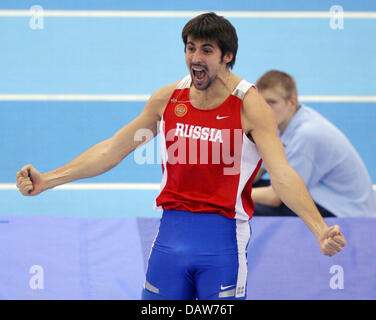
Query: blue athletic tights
x,y
197,256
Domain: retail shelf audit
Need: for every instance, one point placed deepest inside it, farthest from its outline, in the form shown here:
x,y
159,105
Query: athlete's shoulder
x,y
159,99
253,101
256,112
251,95
165,92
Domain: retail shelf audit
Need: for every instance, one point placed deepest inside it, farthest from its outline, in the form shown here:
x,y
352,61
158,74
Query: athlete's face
x,y
203,59
283,108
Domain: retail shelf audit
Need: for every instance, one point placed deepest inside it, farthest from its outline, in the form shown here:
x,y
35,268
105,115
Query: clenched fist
x,y
331,241
29,181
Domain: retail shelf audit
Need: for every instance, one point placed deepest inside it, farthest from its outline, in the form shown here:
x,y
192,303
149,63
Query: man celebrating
x,y
200,250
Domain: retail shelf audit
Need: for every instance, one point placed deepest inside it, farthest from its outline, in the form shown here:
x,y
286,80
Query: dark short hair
x,y
210,26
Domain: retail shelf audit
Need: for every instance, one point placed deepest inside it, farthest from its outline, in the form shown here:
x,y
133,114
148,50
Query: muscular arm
x,y
259,121
102,156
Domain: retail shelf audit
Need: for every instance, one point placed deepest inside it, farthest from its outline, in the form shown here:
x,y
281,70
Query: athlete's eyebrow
x,y
202,46
207,45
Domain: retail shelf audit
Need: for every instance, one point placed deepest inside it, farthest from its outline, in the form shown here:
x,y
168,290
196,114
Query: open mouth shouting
x,y
199,75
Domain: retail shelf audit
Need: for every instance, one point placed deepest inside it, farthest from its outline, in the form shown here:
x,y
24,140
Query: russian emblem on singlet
x,y
181,110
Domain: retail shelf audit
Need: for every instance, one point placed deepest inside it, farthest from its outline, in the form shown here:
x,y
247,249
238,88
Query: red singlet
x,y
208,162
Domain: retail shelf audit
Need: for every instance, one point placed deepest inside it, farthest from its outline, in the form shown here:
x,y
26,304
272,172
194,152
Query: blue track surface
x,y
106,56
137,56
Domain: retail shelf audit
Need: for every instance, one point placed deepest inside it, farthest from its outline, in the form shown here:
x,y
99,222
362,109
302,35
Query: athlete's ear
x,y
227,57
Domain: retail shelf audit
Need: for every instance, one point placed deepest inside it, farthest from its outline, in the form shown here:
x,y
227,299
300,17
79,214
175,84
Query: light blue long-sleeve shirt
x,y
331,168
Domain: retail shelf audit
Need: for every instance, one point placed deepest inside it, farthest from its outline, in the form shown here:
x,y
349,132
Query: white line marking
x,y
145,97
74,97
95,186
186,14
101,186
329,98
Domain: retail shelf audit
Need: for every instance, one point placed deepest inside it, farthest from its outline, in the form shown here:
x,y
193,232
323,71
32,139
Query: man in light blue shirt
x,y
331,168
